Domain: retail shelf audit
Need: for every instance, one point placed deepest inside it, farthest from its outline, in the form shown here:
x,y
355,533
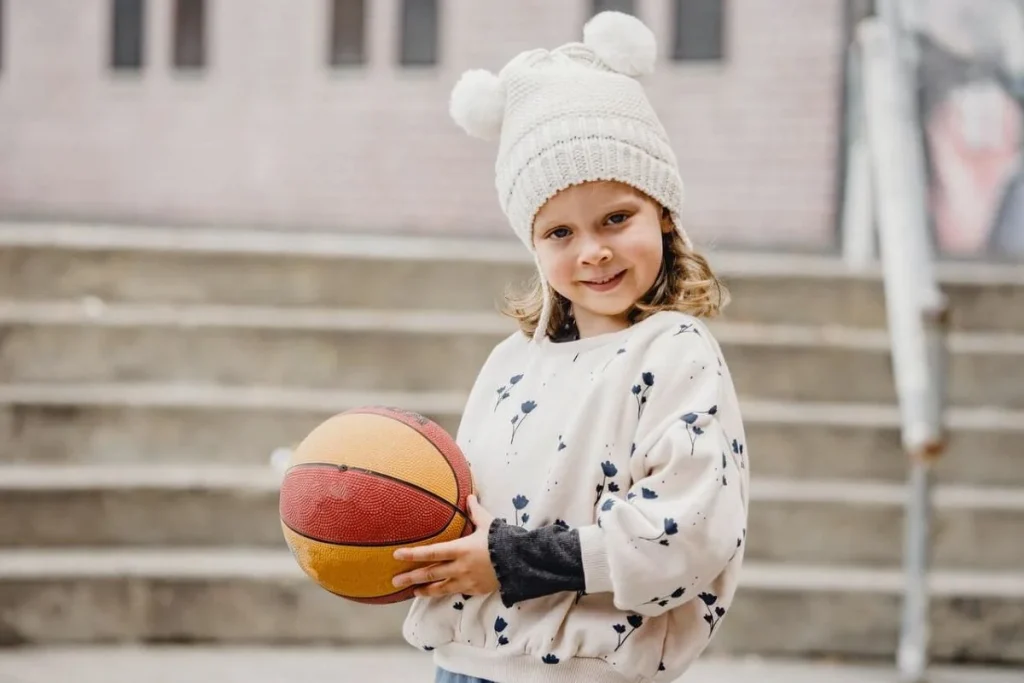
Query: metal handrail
x,y
917,311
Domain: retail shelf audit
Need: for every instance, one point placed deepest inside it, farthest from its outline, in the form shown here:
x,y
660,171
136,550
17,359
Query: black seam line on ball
x,y
363,470
330,465
416,426
357,544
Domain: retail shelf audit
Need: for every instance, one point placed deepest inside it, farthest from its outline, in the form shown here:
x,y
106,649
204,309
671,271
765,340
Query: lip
x,y
605,286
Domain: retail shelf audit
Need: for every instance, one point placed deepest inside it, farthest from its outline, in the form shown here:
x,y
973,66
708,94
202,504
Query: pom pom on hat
x,y
478,103
622,42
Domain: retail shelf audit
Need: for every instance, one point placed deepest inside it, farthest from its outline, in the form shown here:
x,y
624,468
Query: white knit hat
x,y
572,115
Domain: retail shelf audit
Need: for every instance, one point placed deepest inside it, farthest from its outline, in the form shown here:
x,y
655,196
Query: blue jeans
x,y
444,676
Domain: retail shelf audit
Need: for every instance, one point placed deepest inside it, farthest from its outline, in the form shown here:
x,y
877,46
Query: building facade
x,y
332,114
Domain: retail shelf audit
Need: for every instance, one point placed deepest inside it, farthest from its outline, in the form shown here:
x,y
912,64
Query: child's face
x,y
600,246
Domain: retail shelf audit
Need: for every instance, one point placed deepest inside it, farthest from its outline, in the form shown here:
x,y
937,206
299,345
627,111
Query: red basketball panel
x,y
444,443
344,506
398,596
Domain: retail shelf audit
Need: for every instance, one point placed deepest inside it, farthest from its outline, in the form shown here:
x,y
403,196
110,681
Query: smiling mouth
x,y
606,282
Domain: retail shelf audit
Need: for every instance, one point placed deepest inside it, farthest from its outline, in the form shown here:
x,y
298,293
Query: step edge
x,y
249,478
877,493
92,311
193,396
327,245
164,477
245,242
215,564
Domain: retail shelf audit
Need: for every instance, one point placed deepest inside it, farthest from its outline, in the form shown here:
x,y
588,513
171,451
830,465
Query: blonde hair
x,y
685,283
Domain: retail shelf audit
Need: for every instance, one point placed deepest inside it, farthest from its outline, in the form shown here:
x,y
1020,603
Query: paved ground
x,y
397,665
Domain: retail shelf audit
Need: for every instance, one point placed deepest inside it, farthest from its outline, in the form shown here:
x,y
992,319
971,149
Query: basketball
x,y
364,483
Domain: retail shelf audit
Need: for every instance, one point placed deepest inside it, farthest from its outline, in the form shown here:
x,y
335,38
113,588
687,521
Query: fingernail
x,y
398,555
397,582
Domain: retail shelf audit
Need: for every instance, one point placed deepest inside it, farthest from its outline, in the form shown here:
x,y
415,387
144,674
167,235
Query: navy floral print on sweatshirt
x,y
641,390
517,420
635,621
505,390
692,429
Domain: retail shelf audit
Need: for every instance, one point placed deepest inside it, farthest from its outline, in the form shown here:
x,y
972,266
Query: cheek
x,y
646,256
556,266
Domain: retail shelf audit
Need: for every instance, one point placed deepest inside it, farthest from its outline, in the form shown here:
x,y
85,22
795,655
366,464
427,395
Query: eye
x,y
617,218
559,233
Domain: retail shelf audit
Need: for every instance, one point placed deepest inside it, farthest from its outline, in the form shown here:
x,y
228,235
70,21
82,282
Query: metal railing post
x,y
916,310
858,221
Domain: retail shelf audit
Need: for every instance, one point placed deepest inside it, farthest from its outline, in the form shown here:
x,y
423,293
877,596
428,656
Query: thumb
x,y
477,514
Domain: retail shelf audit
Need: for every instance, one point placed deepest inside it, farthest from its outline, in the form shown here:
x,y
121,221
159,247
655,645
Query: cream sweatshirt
x,y
634,441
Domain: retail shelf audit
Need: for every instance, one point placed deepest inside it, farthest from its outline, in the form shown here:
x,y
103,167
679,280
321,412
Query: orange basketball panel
x,y
383,445
358,571
435,434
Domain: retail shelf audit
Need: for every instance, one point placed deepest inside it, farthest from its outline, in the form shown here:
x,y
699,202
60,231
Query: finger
x,y
436,590
424,575
477,513
437,552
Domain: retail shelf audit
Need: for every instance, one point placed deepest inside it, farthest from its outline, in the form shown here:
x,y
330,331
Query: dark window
x,y
699,30
419,32
189,34
626,6
348,30
128,30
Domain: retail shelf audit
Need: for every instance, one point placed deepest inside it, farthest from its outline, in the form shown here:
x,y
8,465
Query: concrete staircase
x,y
147,374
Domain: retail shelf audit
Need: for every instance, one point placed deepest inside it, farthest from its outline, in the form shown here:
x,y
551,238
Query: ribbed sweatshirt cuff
x,y
594,551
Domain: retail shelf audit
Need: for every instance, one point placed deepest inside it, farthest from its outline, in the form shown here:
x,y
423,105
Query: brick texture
x,y
269,135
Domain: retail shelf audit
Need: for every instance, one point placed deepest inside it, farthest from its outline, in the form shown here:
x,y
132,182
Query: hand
x,y
459,566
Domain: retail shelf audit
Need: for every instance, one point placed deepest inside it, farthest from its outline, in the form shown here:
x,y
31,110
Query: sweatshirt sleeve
x,y
684,517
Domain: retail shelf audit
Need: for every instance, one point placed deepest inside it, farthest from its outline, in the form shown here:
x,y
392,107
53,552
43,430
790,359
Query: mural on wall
x,y
971,71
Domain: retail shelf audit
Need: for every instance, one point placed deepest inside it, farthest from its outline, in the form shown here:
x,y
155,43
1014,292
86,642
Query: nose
x,y
593,250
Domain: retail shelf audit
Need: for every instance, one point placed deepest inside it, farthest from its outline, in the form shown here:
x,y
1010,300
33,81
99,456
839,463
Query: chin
x,y
609,310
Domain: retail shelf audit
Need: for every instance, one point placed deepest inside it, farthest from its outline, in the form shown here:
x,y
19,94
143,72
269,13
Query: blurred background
x,y
222,221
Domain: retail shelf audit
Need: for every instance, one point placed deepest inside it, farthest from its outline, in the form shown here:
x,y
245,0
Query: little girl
x,y
605,437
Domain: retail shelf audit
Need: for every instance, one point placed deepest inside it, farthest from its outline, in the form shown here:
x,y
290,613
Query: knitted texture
x,y
572,115
567,123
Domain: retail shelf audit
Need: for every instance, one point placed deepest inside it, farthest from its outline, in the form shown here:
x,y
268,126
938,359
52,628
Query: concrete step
x,y
417,350
862,523
839,522
862,441
400,664
240,596
131,423
153,264
172,423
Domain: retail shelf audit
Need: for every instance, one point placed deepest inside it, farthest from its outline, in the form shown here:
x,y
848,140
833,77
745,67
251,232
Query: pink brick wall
x,y
268,135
